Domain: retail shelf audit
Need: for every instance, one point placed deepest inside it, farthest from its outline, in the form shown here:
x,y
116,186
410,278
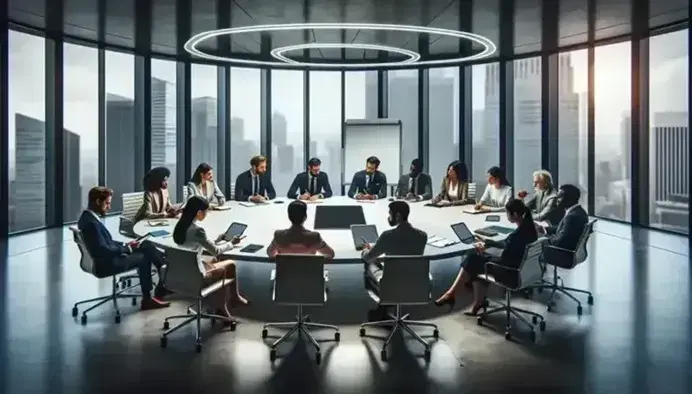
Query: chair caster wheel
x,y
272,355
337,336
436,333
232,325
129,283
307,319
84,319
590,300
550,307
479,320
75,312
362,332
265,333
528,293
579,310
117,319
426,355
166,325
534,319
508,335
134,301
198,348
532,336
163,342
383,355
542,326
318,358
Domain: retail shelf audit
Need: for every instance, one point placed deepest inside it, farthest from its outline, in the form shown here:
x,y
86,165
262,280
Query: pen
x,y
364,240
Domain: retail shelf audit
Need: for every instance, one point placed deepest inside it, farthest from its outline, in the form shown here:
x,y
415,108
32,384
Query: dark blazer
x,y
377,186
98,240
515,245
243,186
567,234
301,184
423,186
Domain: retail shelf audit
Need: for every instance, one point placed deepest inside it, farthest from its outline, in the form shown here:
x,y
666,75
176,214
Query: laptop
x,y
463,233
367,232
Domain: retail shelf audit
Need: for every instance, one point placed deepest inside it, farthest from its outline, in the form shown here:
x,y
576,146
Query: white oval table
x,y
263,220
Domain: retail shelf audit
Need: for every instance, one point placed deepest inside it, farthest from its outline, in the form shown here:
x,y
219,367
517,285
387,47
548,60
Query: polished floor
x,y
635,339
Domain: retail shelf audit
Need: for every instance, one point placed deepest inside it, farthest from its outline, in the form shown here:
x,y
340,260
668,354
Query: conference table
x,y
263,219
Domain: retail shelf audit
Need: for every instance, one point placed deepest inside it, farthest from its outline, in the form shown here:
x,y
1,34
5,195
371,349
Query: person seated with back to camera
x,y
369,184
455,186
297,239
416,185
203,185
508,253
401,240
312,184
156,203
498,192
112,257
543,203
189,234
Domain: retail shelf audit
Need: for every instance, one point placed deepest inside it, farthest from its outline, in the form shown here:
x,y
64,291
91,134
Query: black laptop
x,y
462,231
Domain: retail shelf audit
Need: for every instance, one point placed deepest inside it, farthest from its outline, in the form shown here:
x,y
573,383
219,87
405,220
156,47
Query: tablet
x,y
235,230
360,232
492,218
463,233
252,248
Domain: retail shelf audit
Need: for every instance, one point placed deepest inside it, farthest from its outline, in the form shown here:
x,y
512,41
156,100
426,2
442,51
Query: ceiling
x,y
81,20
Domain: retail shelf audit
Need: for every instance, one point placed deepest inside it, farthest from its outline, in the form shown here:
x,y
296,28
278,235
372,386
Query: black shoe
x,y
161,292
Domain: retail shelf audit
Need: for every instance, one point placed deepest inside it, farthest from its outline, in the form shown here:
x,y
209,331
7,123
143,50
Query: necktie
x,y
254,185
312,185
412,189
367,181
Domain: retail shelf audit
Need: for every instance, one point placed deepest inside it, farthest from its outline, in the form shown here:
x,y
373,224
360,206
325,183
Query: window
x,y
360,95
613,132
204,147
81,125
527,122
325,124
403,106
163,120
573,118
246,109
485,121
26,126
443,145
669,160
120,126
287,128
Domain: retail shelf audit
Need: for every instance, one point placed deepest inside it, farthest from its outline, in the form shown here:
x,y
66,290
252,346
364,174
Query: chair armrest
x,y
557,248
558,256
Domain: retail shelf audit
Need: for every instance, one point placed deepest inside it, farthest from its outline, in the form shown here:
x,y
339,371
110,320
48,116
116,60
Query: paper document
x,y
222,207
248,204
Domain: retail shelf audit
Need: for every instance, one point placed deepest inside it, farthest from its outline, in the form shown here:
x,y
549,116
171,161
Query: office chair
x,y
566,259
406,281
186,194
472,191
86,262
131,203
516,279
299,280
185,277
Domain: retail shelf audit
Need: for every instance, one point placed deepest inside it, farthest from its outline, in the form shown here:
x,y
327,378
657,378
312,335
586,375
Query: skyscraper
x,y
74,200
120,148
163,129
204,147
28,188
441,127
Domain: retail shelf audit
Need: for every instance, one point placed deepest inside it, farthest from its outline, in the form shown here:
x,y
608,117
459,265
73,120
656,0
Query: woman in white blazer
x,y
203,185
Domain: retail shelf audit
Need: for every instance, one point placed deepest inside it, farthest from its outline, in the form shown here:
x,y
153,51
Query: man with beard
x,y
568,232
402,240
255,185
416,185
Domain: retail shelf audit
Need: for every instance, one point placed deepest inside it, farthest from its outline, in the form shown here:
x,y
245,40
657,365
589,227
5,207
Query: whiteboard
x,y
372,137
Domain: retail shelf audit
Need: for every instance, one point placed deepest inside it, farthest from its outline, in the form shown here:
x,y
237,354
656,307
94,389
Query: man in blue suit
x,y
112,257
369,184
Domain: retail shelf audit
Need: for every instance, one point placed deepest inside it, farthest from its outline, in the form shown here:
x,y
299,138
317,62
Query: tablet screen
x,y
492,218
235,230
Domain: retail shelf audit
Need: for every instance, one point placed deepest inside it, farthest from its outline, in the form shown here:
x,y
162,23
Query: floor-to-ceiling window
x,y
669,160
203,112
163,120
485,121
443,123
325,124
246,108
527,122
403,106
287,96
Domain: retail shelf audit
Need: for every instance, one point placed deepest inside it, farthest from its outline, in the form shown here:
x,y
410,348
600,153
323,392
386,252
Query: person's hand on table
x,y
359,196
370,197
444,203
304,196
478,207
480,247
315,197
522,194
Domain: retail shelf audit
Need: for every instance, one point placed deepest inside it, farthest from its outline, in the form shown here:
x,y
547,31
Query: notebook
x,y
222,207
473,211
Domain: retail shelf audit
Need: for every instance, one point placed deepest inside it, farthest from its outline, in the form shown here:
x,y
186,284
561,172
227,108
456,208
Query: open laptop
x,y
367,232
463,233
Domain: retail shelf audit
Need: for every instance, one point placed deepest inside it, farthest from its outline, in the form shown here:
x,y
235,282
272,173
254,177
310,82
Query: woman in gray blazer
x,y
190,235
543,203
202,184
455,186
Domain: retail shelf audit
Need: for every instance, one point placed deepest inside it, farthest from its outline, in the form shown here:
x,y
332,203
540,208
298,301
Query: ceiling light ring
x,y
192,44
278,54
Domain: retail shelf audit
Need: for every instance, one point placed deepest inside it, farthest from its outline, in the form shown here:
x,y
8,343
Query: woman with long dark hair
x,y
507,253
157,201
203,185
455,186
189,234
498,192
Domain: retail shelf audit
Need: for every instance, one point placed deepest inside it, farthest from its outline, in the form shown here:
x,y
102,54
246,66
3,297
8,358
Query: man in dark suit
x,y
312,184
112,257
369,184
254,185
570,229
416,185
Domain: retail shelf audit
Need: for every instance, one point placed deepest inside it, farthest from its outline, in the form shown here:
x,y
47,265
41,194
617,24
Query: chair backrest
x,y
580,253
186,193
131,204
184,273
530,270
405,280
86,262
299,279
472,190
232,195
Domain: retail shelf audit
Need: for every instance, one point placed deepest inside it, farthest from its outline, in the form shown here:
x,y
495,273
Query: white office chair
x,y
405,281
185,277
515,279
472,190
186,194
299,280
131,204
566,259
232,195
87,264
